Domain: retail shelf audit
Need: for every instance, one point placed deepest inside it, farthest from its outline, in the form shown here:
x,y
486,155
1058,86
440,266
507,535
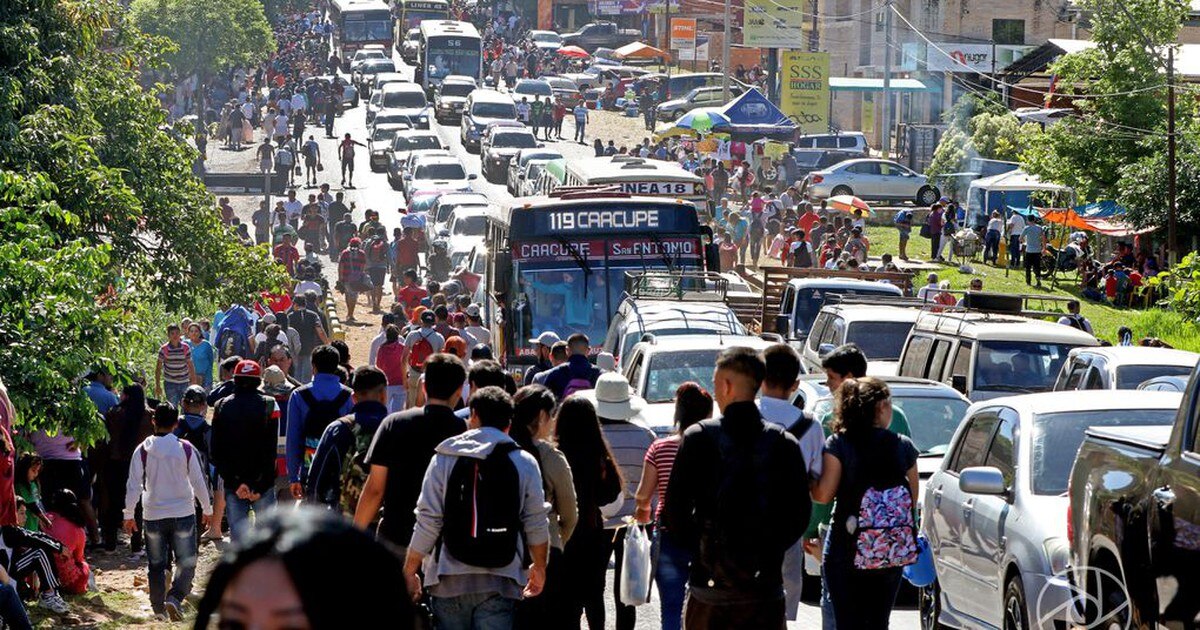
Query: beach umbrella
x,y
574,52
702,119
848,203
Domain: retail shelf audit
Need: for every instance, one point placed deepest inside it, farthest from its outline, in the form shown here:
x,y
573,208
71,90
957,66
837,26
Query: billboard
x,y
804,89
954,57
774,23
683,34
699,53
629,7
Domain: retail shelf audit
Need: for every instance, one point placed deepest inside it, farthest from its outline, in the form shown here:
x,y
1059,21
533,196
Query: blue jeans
x,y
206,381
238,511
859,598
174,392
166,538
473,611
12,610
396,395
671,575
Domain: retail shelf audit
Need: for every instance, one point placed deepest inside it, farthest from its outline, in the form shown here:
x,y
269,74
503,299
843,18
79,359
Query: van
x,y
849,141
879,330
987,355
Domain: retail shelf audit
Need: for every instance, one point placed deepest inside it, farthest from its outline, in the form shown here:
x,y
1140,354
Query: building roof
x,y
863,84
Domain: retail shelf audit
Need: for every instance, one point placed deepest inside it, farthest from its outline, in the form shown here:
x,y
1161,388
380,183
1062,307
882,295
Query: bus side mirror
x,y
502,272
781,325
959,382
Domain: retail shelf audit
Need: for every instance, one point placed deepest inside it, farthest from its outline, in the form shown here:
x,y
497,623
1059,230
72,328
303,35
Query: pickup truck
x,y
1134,522
601,35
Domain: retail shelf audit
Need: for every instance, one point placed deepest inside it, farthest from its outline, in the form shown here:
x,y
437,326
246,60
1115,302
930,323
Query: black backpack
x,y
482,515
321,413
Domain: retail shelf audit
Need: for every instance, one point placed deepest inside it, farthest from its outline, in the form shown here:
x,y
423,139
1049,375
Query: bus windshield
x,y
452,55
366,30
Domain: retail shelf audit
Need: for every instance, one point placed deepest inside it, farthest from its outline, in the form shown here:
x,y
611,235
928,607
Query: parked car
x,y
871,180
482,108
599,76
407,143
1134,518
546,41
803,299
531,89
450,97
518,166
809,160
1121,367
662,318
379,145
565,91
996,512
437,173
1166,384
878,329
674,109
498,145
601,35
680,85
854,141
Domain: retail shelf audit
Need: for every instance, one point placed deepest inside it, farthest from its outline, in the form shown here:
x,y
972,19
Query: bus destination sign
x,y
662,189
612,249
614,219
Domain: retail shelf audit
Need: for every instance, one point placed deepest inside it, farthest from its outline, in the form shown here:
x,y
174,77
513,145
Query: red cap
x,y
246,367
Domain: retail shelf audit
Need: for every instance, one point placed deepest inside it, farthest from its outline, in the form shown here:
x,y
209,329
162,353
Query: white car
x,y
656,368
546,40
437,173
518,166
499,145
1122,367
450,97
365,53
407,143
872,180
531,90
379,144
443,208
403,98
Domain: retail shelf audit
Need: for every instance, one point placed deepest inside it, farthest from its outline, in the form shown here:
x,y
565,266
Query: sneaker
x,y
53,601
174,610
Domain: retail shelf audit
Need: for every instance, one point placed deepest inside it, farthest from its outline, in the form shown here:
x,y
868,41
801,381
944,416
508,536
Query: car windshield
x,y
533,88
366,30
547,37
932,419
514,140
440,171
377,66
383,135
494,110
810,301
1018,366
474,225
383,119
668,370
1130,376
1057,436
880,341
456,89
411,99
415,143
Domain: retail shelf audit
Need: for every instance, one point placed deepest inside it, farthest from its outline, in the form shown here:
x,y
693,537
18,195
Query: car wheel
x,y
841,190
929,607
927,196
676,115
354,103
1016,616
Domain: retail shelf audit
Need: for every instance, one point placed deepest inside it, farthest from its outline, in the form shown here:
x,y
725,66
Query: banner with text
x,y
774,23
954,57
683,34
804,94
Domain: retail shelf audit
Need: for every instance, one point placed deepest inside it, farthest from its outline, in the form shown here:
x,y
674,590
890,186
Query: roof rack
x,y
989,304
855,299
589,192
685,286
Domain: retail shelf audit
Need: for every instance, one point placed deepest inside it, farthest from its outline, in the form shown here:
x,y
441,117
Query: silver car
x,y
995,512
871,180
674,109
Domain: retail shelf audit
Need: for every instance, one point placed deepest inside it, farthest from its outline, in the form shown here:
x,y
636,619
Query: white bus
x,y
628,174
445,48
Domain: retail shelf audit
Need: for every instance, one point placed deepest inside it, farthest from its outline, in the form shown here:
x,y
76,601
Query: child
x,y
66,526
29,466
26,554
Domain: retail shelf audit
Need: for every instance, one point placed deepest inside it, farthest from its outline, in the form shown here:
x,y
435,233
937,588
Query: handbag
x,y
921,573
320,167
925,231
635,567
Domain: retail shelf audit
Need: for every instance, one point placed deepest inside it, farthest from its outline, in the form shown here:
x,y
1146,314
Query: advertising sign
x,y
630,7
774,23
953,57
699,53
804,93
683,34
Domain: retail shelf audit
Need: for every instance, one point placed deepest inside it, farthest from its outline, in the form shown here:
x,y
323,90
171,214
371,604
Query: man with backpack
x,y
419,346
307,323
311,408
312,159
577,373
482,510
194,428
168,477
783,368
284,161
245,431
1074,319
339,468
738,503
378,251
402,448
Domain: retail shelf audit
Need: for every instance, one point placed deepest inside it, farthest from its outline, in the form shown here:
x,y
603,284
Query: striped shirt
x,y
629,443
662,456
175,362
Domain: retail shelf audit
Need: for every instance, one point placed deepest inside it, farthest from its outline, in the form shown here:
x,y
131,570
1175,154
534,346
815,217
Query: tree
x,y
979,128
102,223
211,35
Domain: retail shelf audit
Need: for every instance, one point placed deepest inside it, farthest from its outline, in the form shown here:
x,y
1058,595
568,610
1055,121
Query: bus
x,y
562,263
358,23
412,12
447,47
628,174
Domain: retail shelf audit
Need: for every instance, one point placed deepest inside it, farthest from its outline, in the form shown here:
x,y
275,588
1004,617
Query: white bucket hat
x,y
613,398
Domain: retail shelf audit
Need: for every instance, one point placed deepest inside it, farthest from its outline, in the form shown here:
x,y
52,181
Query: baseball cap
x,y
473,310
548,338
194,394
248,368
355,242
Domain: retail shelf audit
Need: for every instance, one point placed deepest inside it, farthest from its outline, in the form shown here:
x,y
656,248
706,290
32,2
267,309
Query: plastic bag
x,y
635,568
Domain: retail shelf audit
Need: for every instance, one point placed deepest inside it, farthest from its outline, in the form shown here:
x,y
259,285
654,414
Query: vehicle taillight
x,y
817,179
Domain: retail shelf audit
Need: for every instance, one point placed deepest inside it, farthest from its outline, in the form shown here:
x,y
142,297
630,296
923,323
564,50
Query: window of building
x,y
1008,32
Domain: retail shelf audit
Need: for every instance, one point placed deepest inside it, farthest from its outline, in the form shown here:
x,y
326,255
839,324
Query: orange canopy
x,y
638,50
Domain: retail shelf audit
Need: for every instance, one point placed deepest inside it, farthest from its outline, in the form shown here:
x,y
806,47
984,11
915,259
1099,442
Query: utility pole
x,y
725,56
1172,252
668,46
887,79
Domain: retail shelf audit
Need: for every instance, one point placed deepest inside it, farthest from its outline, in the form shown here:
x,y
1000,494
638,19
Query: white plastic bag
x,y
635,568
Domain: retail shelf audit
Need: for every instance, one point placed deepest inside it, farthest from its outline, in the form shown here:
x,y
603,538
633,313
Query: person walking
x,y
1016,227
338,470
310,409
992,238
245,430
419,345
577,374
352,275
130,422
581,119
869,470
312,160
482,510
167,476
692,404
597,481
541,355
174,370
737,502
346,156
401,450
307,323
1033,242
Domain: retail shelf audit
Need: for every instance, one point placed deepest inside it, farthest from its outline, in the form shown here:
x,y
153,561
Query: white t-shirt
x,y
304,286
281,125
262,338
1016,224
812,443
293,209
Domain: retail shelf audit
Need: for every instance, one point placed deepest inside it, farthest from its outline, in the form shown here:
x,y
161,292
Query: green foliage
x,y
979,128
1180,286
210,35
103,227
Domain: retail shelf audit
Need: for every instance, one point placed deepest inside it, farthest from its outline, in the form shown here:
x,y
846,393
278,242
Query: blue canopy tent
x,y
752,116
1100,210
